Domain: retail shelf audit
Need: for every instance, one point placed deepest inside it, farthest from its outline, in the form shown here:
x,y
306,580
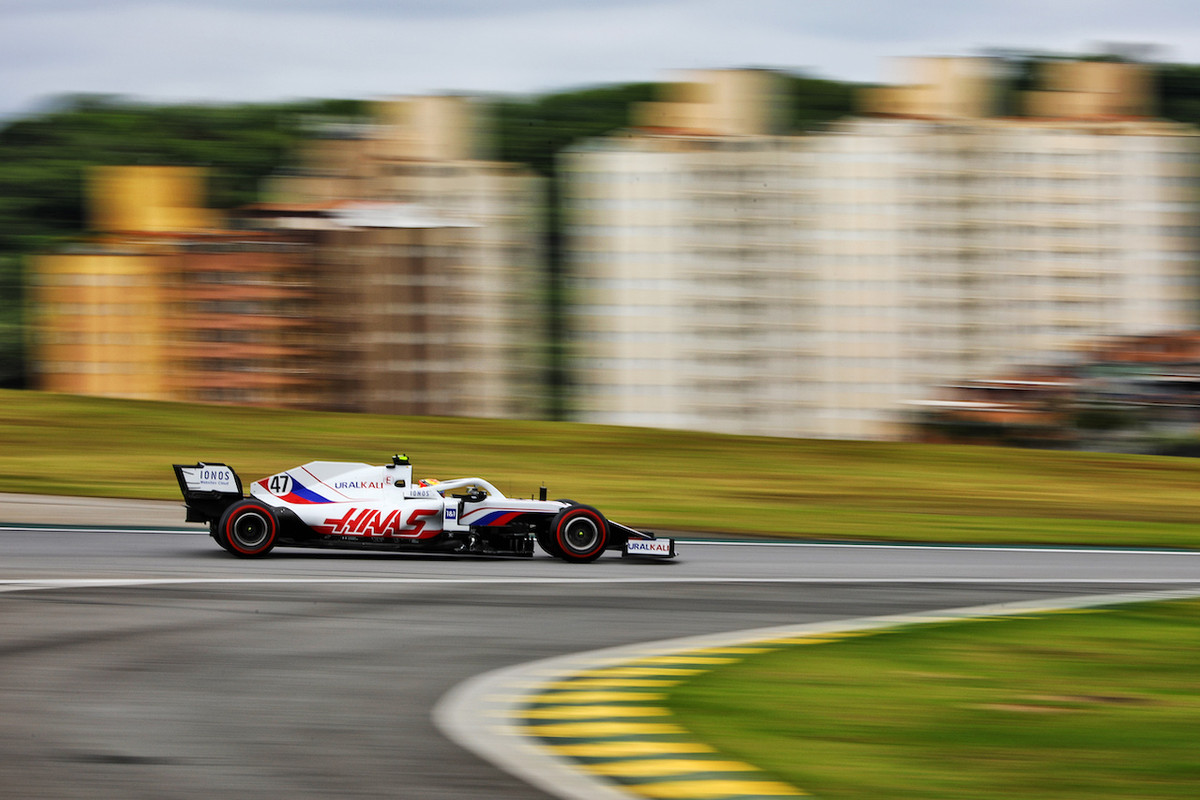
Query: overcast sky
x,y
275,49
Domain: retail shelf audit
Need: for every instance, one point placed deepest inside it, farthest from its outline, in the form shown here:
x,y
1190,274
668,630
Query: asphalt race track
x,y
154,665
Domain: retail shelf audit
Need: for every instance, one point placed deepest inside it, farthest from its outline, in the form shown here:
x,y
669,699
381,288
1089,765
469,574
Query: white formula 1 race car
x,y
350,505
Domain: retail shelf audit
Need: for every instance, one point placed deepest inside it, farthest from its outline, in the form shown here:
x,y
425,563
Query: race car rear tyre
x,y
214,530
580,533
249,529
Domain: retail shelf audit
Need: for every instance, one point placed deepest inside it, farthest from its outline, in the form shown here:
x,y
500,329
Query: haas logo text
x,y
416,524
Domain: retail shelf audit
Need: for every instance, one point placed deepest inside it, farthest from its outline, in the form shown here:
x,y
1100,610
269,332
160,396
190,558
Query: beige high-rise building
x,y
463,310
745,282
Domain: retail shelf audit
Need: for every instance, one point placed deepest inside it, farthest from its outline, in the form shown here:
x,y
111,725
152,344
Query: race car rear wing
x,y
208,489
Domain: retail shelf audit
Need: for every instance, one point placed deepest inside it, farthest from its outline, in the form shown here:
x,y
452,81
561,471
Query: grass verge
x,y
60,444
1082,705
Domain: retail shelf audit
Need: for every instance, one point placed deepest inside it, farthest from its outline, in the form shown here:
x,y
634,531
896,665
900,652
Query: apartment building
x,y
733,279
438,247
392,271
246,323
165,304
99,321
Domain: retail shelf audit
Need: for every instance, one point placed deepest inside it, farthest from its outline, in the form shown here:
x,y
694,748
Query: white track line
x,y
986,548
42,584
477,713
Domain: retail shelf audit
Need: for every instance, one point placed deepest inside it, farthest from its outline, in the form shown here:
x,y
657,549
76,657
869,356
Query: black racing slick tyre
x,y
546,540
545,535
214,530
248,529
580,533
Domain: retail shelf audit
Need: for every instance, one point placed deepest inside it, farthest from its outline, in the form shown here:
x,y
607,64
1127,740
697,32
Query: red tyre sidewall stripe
x,y
601,529
234,517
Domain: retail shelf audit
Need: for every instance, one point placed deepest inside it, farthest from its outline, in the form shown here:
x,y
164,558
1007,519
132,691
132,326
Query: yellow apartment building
x,y
101,324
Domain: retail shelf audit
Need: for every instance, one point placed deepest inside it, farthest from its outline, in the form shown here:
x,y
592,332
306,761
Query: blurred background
x,y
998,247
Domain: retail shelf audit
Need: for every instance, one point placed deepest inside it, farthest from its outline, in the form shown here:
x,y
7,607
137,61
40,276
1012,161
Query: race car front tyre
x,y
580,533
249,529
546,540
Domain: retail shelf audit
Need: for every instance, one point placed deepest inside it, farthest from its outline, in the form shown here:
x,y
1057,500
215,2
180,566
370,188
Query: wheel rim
x,y
251,529
581,535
